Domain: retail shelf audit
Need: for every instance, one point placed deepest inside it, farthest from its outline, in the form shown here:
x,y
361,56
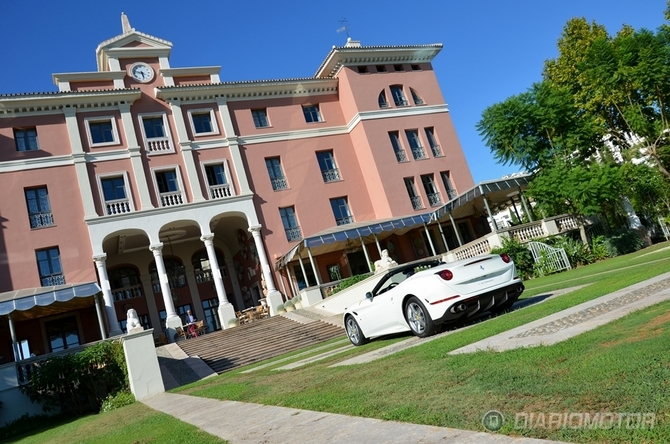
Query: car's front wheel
x,y
418,319
354,331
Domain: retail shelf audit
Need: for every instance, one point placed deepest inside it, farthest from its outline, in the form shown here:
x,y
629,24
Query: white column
x,y
12,333
226,309
430,241
314,269
365,252
113,322
273,297
304,272
455,228
379,247
488,210
444,239
101,318
525,206
172,320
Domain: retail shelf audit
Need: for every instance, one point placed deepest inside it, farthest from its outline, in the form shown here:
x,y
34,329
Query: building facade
x,y
172,190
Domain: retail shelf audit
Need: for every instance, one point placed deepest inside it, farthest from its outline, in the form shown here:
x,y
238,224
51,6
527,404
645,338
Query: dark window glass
x,y
202,123
26,139
167,181
114,188
101,132
153,127
215,175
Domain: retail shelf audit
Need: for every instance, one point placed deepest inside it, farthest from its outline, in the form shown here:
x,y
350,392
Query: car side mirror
x,y
368,295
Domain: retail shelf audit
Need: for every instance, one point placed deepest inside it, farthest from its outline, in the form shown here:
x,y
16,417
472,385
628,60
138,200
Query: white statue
x,y
133,321
384,263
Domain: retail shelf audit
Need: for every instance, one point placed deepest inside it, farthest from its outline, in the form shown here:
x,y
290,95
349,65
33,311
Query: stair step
x,y
257,341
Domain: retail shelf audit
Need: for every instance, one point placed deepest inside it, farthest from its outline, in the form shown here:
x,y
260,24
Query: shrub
x,y
623,242
288,304
348,282
599,250
577,252
120,399
80,382
280,308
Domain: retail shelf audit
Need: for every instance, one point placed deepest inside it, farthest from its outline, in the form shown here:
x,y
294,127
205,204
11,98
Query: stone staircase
x,y
256,341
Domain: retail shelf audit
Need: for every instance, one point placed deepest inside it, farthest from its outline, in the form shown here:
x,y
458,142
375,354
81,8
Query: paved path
x,y
240,422
253,423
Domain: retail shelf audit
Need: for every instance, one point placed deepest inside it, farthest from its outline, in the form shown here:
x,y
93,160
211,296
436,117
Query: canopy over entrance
x,y
498,193
30,303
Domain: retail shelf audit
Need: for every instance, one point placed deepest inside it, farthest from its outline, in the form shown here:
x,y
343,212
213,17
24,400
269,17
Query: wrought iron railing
x,y
400,155
416,202
436,150
293,233
345,220
434,199
418,153
53,280
39,220
279,183
331,175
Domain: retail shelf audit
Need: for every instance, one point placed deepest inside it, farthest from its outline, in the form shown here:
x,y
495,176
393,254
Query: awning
x,y
498,193
28,298
343,233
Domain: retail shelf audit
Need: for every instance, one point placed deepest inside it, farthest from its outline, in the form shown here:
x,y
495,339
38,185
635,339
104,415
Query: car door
x,y
380,314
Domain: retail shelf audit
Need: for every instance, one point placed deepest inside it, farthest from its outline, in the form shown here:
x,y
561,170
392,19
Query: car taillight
x,y
505,258
446,275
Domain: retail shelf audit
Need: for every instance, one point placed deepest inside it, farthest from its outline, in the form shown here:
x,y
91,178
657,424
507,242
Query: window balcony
x,y
53,280
159,145
40,220
279,183
171,199
293,234
418,153
331,175
400,156
118,206
401,102
434,199
416,202
437,150
220,191
451,194
345,220
121,294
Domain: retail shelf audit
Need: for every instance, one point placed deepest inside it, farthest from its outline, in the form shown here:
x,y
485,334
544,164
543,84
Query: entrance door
x,y
62,333
358,263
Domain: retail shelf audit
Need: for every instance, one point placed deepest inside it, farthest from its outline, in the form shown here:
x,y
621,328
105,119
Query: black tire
x,y
418,319
354,332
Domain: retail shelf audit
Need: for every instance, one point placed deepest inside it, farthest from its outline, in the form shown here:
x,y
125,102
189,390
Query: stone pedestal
x,y
171,323
274,298
310,296
226,315
144,373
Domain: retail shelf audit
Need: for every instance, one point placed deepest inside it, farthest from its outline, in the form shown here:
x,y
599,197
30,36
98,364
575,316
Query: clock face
x,y
141,72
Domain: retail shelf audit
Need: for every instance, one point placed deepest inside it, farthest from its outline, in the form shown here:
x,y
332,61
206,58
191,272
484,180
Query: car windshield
x,y
397,278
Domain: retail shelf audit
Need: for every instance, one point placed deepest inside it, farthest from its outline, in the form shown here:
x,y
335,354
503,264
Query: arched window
x,y
175,273
202,268
125,283
416,97
398,95
383,103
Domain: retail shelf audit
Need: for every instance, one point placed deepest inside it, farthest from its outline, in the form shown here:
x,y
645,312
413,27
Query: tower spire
x,y
125,23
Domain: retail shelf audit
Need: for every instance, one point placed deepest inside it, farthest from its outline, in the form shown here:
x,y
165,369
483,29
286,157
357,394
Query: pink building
x,y
164,189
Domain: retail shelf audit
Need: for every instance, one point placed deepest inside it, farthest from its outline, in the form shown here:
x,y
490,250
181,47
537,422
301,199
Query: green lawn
x,y
623,367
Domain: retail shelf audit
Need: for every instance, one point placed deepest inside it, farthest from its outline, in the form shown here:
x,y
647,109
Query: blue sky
x,y
492,49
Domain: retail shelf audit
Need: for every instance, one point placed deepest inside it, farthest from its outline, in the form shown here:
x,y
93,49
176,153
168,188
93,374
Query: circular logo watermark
x,y
493,420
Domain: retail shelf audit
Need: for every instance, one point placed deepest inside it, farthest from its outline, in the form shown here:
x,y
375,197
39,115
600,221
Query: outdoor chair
x,y
200,328
181,333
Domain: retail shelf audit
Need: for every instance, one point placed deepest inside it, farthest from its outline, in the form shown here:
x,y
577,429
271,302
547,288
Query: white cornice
x,y
36,163
370,55
249,90
87,76
40,102
115,47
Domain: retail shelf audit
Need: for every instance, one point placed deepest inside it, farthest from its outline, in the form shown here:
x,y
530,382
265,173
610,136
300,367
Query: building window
x,y
290,222
276,174
415,96
399,68
260,118
203,269
383,103
415,144
363,70
156,134
125,284
312,113
334,272
433,195
39,207
398,95
413,195
432,141
341,211
416,68
175,271
210,309
114,193
26,139
381,68
397,147
203,122
217,181
168,188
49,267
62,333
329,170
101,131
446,179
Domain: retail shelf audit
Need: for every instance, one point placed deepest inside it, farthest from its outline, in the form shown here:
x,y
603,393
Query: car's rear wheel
x,y
354,331
418,319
